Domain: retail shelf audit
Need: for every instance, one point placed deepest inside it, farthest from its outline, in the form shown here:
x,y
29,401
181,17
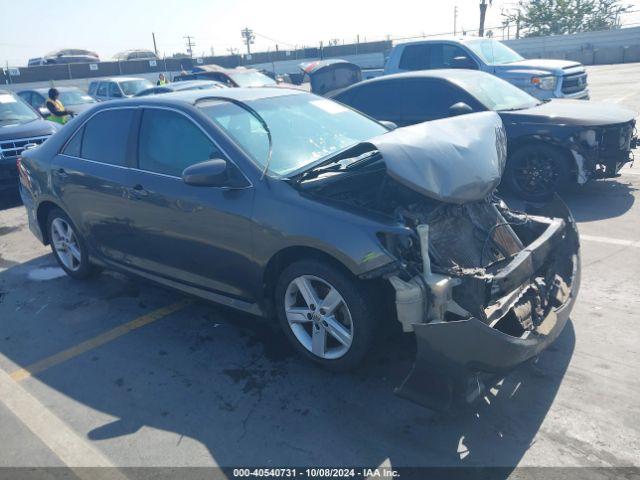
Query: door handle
x,y
61,172
138,191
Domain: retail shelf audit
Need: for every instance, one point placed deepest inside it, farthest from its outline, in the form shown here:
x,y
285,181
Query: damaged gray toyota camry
x,y
284,204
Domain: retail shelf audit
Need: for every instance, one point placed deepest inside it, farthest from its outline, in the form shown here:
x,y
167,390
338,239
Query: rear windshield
x,y
251,79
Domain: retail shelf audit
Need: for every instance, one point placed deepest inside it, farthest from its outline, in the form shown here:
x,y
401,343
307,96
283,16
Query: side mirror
x,y
388,124
459,108
211,173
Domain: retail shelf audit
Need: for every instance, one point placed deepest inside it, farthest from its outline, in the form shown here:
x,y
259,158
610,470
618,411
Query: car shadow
x,y
596,200
231,383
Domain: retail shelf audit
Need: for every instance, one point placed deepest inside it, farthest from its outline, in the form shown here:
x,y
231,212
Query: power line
x,y
190,44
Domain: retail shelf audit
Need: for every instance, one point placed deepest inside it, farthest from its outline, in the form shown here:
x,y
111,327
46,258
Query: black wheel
x,y
68,246
328,316
535,172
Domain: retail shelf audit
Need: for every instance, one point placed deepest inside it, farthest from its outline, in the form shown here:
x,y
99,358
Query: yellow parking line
x,y
94,342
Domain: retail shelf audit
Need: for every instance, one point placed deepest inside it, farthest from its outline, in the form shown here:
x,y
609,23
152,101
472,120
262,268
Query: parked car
x,y
551,143
70,55
541,78
73,99
20,126
181,87
117,87
330,76
276,201
135,55
231,77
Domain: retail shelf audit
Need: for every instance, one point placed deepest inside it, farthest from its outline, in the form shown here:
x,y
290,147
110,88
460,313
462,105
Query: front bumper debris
x,y
454,357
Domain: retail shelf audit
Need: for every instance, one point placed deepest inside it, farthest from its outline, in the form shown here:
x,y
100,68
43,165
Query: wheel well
x,y
43,212
286,257
561,149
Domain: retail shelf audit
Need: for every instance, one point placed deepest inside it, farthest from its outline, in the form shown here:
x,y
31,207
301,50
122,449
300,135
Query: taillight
x,y
25,179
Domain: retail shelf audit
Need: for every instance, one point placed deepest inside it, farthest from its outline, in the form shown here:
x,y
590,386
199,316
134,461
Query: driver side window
x,y
169,142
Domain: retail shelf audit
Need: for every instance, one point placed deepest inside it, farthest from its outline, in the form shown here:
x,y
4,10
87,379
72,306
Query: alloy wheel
x,y
536,173
66,244
318,317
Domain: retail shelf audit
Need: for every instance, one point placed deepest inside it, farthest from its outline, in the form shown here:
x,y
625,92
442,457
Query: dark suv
x,y
20,126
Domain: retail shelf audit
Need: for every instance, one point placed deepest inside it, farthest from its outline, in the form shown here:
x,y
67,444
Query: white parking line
x,y
69,447
611,241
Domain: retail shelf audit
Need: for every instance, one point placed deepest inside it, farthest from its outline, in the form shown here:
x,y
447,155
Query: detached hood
x,y
541,66
330,75
572,112
454,160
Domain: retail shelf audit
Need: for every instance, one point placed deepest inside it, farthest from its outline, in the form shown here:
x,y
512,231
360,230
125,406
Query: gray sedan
x,y
283,204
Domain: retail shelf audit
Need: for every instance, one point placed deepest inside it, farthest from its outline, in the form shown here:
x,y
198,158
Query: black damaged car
x,y
551,142
287,205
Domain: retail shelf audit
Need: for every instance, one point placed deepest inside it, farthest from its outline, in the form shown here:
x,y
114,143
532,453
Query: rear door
x,y
90,176
197,235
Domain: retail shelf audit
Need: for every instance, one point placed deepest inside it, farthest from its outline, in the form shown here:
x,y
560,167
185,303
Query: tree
x,y
557,17
483,13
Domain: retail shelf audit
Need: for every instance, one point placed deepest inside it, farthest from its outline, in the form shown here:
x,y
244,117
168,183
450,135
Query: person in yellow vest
x,y
56,108
162,80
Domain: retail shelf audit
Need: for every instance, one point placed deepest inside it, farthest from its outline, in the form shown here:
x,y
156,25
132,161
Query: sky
x,y
33,28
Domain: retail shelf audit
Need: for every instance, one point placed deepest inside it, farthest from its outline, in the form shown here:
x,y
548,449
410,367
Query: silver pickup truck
x,y
539,77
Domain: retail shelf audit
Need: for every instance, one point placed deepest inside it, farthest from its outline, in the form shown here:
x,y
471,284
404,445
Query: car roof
x,y
444,73
447,38
192,96
117,79
190,83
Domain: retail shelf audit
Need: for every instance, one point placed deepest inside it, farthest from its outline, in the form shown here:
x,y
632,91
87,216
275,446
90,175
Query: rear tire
x,y
68,246
534,172
328,316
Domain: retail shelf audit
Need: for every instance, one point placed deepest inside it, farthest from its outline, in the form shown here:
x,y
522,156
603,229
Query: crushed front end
x,y
483,289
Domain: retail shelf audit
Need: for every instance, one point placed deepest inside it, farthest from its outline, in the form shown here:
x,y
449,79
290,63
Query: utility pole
x,y
190,44
483,13
155,48
249,38
455,20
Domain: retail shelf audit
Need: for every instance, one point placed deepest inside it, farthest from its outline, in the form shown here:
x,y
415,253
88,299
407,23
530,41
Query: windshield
x,y
75,97
13,111
493,52
304,128
251,79
494,93
131,87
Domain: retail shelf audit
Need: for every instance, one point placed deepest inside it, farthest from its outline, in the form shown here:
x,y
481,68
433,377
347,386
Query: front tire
x,y
534,172
327,315
68,246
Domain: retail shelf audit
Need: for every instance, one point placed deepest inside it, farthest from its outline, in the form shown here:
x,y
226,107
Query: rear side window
x,y
415,57
106,137
379,100
170,142
74,147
